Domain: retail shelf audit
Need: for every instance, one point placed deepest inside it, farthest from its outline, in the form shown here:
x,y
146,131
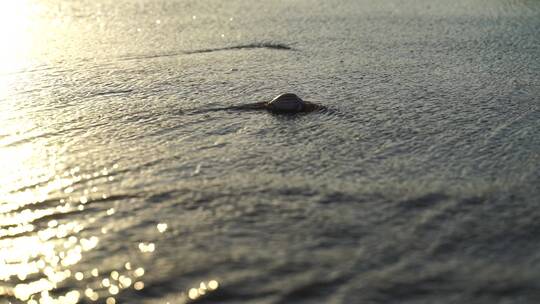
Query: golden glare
x,y
110,300
105,282
41,243
203,289
213,284
162,227
79,276
115,275
124,281
193,293
114,290
42,237
40,259
15,27
147,247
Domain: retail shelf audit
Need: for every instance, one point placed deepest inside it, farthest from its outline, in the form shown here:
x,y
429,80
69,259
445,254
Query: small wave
x,y
316,290
423,201
264,45
111,92
272,46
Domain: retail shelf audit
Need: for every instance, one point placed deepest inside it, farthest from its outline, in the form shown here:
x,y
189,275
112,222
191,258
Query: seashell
x,y
286,103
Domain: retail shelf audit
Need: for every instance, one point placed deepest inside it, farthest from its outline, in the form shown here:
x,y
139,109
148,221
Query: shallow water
x,y
419,185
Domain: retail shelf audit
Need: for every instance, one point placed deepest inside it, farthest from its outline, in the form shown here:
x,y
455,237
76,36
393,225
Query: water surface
x,y
419,186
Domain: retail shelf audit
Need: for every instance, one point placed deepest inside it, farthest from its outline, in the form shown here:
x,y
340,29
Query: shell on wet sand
x,y
286,103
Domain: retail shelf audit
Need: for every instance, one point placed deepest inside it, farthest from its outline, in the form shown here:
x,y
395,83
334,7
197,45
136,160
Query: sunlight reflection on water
x,y
15,28
40,248
45,230
112,191
37,253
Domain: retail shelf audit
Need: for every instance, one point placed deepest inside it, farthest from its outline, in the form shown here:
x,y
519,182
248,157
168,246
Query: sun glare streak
x,y
37,256
45,230
15,33
28,177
